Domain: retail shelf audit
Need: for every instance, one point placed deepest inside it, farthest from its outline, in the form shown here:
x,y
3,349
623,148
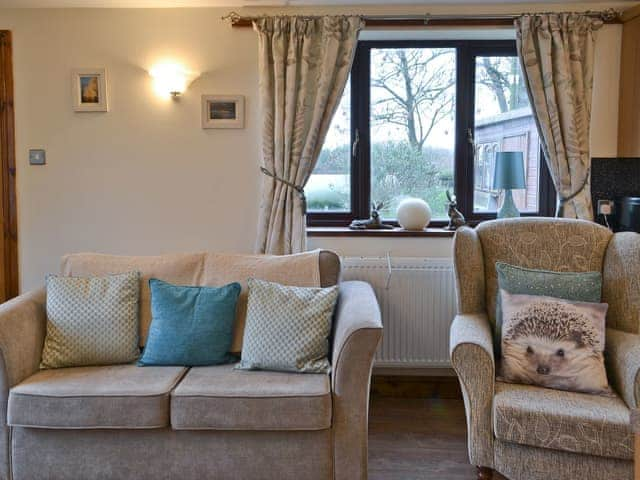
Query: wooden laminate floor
x,y
418,438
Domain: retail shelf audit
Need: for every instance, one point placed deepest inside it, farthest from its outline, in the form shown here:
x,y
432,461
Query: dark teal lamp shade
x,y
509,173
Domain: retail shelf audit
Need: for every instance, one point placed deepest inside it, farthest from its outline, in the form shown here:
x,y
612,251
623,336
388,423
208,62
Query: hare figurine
x,y
456,219
373,223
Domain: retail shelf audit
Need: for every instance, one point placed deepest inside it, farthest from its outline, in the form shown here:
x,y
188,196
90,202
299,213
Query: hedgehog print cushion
x,y
554,343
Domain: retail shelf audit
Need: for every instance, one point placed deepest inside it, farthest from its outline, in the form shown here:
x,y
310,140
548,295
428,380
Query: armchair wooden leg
x,y
637,458
485,473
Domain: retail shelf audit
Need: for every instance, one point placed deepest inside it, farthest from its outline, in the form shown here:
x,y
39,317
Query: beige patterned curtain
x,y
304,65
556,53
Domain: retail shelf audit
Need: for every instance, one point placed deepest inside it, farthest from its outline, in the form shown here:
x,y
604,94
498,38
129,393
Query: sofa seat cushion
x,y
221,398
119,396
573,422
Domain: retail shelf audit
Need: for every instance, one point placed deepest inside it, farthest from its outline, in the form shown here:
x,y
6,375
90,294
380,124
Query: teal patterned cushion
x,y
287,328
91,321
573,286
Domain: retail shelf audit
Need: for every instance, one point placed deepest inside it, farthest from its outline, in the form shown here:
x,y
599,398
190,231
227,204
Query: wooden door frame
x,y
9,283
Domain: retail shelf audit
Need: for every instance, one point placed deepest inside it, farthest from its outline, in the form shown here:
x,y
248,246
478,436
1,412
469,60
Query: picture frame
x,y
89,90
222,111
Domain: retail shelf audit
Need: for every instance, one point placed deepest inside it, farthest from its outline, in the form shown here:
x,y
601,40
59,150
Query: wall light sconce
x,y
171,79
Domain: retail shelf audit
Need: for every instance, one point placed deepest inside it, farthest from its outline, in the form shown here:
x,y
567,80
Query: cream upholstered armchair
x,y
527,432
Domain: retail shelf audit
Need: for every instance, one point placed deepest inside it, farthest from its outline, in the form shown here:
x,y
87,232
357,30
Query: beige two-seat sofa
x,y
124,421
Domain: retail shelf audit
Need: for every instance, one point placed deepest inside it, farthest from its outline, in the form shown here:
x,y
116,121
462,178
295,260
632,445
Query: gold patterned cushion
x,y
287,327
91,321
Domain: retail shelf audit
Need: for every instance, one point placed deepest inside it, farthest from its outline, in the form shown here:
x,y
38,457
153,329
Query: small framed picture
x,y
89,90
222,111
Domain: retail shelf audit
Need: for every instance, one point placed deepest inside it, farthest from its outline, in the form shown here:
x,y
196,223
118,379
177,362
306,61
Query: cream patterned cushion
x,y
287,327
91,321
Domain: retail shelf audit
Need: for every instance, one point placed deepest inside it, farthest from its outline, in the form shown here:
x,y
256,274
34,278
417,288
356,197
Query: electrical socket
x,y
37,156
605,207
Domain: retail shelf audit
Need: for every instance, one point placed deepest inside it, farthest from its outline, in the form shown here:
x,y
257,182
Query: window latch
x,y
354,146
470,137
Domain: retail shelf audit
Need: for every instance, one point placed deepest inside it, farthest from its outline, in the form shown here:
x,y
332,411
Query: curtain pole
x,y
607,16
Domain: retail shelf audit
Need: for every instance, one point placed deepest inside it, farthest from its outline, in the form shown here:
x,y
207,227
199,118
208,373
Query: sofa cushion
x,y
119,396
300,270
190,325
573,422
221,398
309,269
91,321
288,328
180,269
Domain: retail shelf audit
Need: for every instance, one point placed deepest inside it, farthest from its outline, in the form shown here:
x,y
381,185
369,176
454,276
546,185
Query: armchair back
x,y
553,244
621,282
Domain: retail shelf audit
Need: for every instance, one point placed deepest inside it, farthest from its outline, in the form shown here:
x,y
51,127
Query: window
x,y
329,188
503,121
419,118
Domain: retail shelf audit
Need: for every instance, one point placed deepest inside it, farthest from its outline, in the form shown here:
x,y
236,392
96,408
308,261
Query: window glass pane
x,y
503,123
412,126
329,187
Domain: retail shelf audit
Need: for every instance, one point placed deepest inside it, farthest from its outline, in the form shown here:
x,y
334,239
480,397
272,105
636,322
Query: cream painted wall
x,y
144,178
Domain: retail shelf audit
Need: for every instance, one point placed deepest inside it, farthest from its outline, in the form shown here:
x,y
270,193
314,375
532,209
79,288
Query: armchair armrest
x,y
471,349
23,324
622,353
357,332
635,421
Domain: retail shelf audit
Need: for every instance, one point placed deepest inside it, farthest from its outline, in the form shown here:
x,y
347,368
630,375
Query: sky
x,y
442,136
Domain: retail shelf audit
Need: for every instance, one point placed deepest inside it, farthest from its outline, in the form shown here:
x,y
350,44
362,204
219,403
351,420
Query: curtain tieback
x,y
564,200
297,188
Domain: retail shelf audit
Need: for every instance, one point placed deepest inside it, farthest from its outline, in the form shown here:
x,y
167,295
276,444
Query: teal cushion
x,y
573,286
190,326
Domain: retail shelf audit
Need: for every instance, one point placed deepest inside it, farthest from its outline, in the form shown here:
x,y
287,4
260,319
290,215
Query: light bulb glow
x,y
170,79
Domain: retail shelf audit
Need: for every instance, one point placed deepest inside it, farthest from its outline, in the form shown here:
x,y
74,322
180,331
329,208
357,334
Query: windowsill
x,y
395,232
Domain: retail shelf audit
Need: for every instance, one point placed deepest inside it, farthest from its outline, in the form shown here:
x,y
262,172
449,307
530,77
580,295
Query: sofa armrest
x,y
356,334
471,349
23,324
622,353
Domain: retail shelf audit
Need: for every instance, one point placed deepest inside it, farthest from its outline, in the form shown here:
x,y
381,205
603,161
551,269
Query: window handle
x,y
354,146
470,137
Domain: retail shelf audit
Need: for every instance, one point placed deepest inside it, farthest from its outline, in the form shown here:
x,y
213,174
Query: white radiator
x,y
417,300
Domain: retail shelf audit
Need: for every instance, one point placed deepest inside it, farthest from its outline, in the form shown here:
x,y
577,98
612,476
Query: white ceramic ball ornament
x,y
413,214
